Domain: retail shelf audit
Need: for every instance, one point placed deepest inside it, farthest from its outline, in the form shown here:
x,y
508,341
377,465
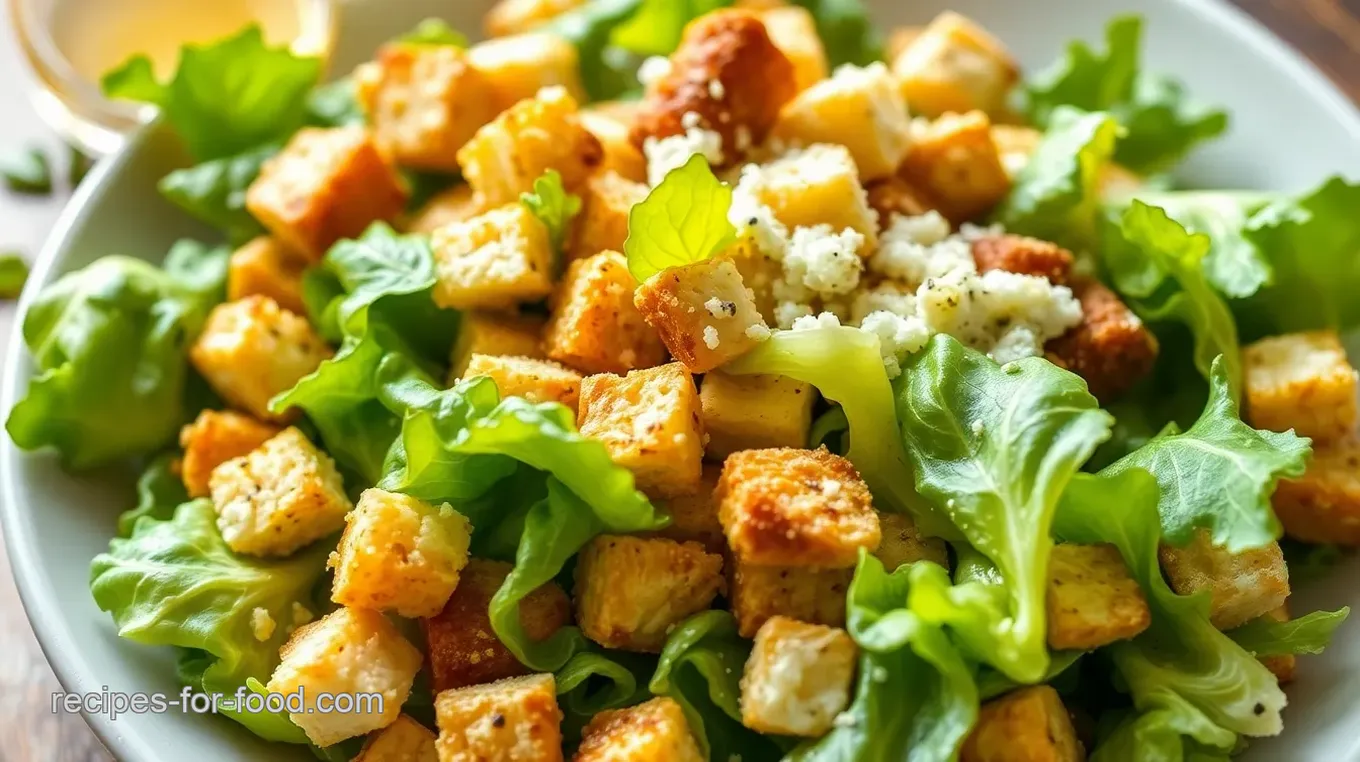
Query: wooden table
x,y
1328,31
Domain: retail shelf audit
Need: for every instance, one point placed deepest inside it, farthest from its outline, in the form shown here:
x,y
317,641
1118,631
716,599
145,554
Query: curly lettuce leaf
x,y
607,71
334,104
159,492
847,32
683,220
214,191
597,680
993,447
553,206
1232,265
1309,634
434,32
654,29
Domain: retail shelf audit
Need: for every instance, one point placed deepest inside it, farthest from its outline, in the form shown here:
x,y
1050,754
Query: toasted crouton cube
x,y
653,731
859,108
790,507
424,102
1111,349
817,185
602,225
754,412
495,333
955,65
326,184
252,349
903,544
464,649
620,155
265,267
702,312
1323,505
511,720
631,590
895,196
516,16
1241,586
1024,725
956,164
816,596
506,156
399,554
494,260
534,380
1282,666
793,30
594,326
457,204
759,273
797,678
520,65
1092,599
1023,255
349,651
649,421
403,741
899,39
1301,381
215,437
694,517
278,497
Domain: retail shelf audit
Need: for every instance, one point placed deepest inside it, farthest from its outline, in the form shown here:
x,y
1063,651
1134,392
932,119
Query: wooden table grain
x,y
1327,31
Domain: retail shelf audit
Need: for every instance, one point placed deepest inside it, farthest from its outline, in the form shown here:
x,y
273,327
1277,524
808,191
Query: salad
x,y
666,381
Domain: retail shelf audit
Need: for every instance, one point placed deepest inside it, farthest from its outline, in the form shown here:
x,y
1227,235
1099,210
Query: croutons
x,y
495,333
759,273
1111,349
1092,599
797,678
703,313
903,544
516,16
859,108
1282,666
403,741
620,155
789,507
497,259
1323,505
649,421
399,554
1023,255
1241,586
893,195
817,185
252,349
506,156
512,720
594,326
793,30
518,66
653,731
630,591
754,412
215,437
278,497
534,380
464,649
955,65
694,517
1301,381
424,102
955,163
900,38
816,596
265,267
602,225
730,75
326,184
1023,725
349,651
457,204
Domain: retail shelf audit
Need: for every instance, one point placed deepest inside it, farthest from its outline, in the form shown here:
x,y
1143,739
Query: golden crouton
x,y
859,108
694,517
630,591
424,102
457,204
602,225
512,719
516,16
793,30
265,267
903,544
252,349
463,648
399,554
703,313
325,185
495,333
816,596
518,66
899,39
789,507
215,437
1282,666
1111,349
497,259
730,75
895,196
956,164
754,412
1024,725
349,651
955,65
817,185
506,156
534,380
620,155
797,678
1023,255
1092,599
1241,586
403,741
1301,381
759,273
654,731
1323,505
594,326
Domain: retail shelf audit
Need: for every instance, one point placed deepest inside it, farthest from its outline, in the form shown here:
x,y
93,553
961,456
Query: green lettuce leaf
x,y
655,28
159,492
434,32
1310,634
225,97
683,220
596,680
334,104
846,31
607,72
13,275
1233,264
215,192
553,206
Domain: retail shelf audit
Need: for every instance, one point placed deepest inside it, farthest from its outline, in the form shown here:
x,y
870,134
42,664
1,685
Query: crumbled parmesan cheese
x,y
716,89
301,614
787,313
912,250
653,70
719,308
757,332
755,220
666,154
897,337
711,339
823,261
261,624
888,296
814,322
